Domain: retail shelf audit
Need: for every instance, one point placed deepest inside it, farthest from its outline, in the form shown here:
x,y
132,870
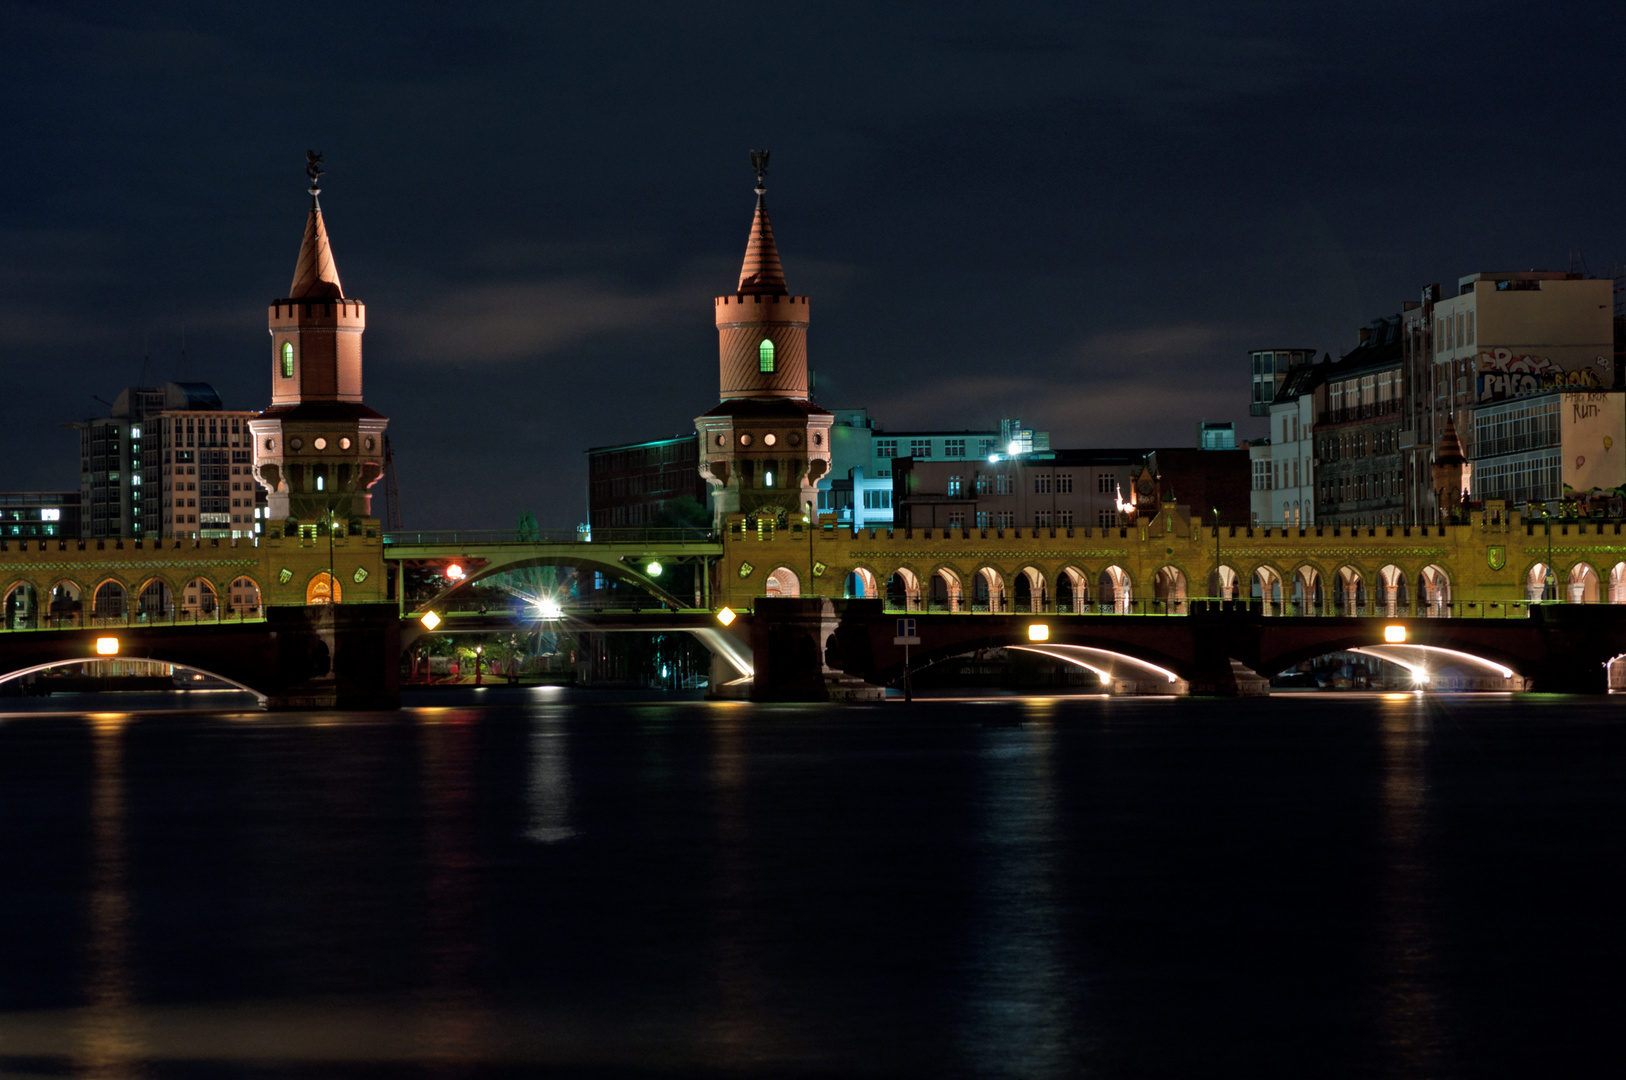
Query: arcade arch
x,y
945,590
1222,583
109,601
1029,590
1583,584
903,590
987,590
1536,584
1436,586
198,599
1072,590
1169,590
1308,597
65,604
22,607
1267,589
1116,590
861,585
1617,584
1392,590
324,588
782,582
155,601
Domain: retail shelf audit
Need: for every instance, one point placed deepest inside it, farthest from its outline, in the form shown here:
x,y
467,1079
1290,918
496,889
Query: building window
x,y
1104,484
986,446
1064,483
982,519
1041,519
886,449
1042,484
1106,518
878,499
956,519
1004,485
765,356
954,448
954,487
920,448
287,359
1004,519
1064,519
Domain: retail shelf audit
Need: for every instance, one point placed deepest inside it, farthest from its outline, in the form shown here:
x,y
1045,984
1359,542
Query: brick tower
x,y
317,449
764,447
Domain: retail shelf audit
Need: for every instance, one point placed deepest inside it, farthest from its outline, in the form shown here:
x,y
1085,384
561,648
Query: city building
x,y
1550,447
1418,432
765,444
1284,463
162,464
1216,436
1358,480
640,484
29,515
318,449
1270,368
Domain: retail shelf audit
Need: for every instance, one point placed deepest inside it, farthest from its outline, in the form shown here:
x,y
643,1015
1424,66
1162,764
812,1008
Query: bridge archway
x,y
1029,590
1072,590
782,581
65,602
903,590
1116,590
1536,585
1308,596
860,584
1617,584
22,607
1169,589
945,591
245,596
35,669
323,588
987,590
155,601
1436,586
1349,592
1222,582
1583,584
198,599
110,600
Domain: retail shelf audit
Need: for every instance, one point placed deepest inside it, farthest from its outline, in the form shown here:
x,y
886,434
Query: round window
x,y
270,444
769,439
296,444
344,444
795,439
320,443
745,438
818,439
721,440
367,443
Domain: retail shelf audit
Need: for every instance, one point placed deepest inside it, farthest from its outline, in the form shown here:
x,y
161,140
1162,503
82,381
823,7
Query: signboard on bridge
x,y
906,633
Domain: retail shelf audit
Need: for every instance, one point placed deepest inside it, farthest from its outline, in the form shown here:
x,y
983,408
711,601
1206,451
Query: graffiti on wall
x,y
1502,374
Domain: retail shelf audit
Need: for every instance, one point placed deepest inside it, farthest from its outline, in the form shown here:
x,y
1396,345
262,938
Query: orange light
x,y
1394,635
725,616
107,646
1038,632
455,572
430,620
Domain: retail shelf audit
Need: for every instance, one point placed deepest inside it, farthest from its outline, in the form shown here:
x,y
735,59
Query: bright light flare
x,y
107,646
1394,635
654,568
1038,632
549,608
454,572
726,616
429,619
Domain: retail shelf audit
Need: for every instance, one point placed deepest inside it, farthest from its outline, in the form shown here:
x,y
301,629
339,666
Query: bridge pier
x,y
787,648
1577,639
334,656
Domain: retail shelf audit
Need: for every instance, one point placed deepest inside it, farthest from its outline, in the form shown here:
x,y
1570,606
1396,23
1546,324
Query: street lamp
x,y
1219,579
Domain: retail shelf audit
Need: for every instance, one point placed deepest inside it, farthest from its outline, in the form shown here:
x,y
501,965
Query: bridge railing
x,y
174,616
551,536
1455,609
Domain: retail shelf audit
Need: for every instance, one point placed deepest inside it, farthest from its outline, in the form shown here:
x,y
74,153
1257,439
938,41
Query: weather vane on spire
x,y
313,169
759,162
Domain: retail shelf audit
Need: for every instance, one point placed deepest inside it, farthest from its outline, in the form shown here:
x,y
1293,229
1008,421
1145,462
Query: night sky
x,y
1075,216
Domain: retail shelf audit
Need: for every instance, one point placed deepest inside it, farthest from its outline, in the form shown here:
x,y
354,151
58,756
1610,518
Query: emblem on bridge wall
x,y
1496,557
818,569
746,569
360,575
285,575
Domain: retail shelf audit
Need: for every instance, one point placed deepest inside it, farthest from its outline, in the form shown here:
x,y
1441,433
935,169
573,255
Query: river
x,y
556,882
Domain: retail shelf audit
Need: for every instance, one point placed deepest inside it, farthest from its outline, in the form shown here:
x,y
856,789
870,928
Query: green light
x,y
653,569
765,356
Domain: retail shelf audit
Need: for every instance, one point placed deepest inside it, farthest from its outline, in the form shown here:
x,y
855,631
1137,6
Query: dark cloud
x,y
1082,214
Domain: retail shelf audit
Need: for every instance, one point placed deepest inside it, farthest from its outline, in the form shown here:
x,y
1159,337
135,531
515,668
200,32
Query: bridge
x,y
1166,599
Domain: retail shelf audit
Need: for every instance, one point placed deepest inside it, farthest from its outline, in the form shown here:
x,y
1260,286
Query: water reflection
x,y
548,795
1023,1016
107,1042
1409,1005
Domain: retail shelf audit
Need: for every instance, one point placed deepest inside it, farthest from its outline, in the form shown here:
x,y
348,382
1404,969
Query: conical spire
x,y
315,275
1449,450
762,274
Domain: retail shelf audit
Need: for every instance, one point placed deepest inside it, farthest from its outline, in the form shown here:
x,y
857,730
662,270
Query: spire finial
x,y
759,165
313,169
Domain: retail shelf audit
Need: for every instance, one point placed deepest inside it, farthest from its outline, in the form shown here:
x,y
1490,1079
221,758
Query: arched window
x,y
765,356
287,359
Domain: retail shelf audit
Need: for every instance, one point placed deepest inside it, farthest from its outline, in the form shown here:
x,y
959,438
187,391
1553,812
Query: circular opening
x,y
367,442
818,440
344,444
320,443
270,444
769,439
795,439
745,438
296,444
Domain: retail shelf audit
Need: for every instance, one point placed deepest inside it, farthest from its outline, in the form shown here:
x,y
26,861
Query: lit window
x,y
765,356
287,359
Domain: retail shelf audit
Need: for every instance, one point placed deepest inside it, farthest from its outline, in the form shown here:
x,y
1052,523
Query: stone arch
x,y
1222,582
1349,591
199,599
1072,589
1309,598
22,606
987,590
1265,586
155,601
1116,590
860,584
1028,591
323,588
1169,589
110,600
1617,584
244,596
1392,590
1583,584
1536,587
945,590
903,590
66,603
1435,584
782,581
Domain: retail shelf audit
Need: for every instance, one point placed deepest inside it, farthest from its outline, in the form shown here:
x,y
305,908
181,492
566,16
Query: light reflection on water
x,y
957,888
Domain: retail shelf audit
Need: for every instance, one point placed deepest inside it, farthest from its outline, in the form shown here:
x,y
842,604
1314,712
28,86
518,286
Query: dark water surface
x,y
551,883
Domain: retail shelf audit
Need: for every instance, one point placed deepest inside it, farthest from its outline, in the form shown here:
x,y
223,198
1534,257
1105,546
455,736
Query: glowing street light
x,y
107,646
549,608
1038,632
1394,635
654,568
429,619
726,616
454,572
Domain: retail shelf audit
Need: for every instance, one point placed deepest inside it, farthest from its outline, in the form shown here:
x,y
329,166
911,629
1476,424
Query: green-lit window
x,y
765,355
287,359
